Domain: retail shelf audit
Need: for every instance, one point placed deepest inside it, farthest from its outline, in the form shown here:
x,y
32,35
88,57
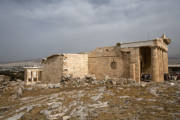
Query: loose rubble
x,y
88,80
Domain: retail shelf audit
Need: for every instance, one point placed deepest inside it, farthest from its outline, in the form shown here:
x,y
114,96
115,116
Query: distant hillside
x,y
22,63
174,61
37,60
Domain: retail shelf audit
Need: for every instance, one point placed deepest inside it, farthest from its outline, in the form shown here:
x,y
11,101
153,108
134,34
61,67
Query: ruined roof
x,y
54,55
138,44
161,42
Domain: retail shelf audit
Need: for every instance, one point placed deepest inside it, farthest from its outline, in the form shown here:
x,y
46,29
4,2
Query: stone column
x,y
155,64
26,76
135,64
132,71
32,77
165,61
161,66
37,75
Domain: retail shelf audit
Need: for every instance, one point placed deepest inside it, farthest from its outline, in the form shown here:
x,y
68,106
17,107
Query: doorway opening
x,y
145,64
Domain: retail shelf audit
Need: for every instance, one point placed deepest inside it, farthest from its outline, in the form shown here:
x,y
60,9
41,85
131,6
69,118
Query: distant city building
x,y
174,68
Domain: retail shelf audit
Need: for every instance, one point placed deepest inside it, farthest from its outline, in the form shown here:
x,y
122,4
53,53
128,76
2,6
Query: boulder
x,y
89,78
19,92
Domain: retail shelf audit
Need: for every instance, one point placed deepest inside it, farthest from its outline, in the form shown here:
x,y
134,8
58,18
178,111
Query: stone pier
x,y
155,64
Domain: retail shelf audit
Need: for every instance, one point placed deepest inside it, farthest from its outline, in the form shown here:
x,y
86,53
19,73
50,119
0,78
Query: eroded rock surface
x,y
157,101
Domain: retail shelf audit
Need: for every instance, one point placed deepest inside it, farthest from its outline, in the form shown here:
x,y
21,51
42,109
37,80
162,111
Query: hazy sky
x,y
39,28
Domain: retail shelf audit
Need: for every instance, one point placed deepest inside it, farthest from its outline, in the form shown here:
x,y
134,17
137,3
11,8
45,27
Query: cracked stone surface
x,y
153,101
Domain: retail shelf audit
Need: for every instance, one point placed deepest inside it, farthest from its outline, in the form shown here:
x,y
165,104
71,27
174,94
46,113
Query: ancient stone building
x,y
58,65
32,75
127,60
131,60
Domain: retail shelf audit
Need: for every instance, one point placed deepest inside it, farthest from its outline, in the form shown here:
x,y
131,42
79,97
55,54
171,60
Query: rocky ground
x,y
145,101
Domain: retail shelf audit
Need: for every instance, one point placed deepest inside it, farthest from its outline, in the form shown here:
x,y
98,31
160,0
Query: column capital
x,y
159,48
154,47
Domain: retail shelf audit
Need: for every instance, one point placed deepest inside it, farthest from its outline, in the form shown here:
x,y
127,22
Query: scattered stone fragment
x,y
16,116
123,97
19,92
153,90
97,97
172,84
99,105
139,99
66,117
56,105
45,112
29,108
